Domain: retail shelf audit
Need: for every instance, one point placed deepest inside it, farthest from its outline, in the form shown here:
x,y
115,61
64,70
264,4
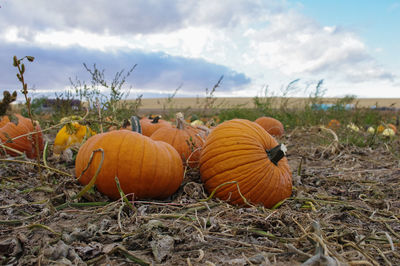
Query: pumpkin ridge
x,y
229,155
246,141
118,159
261,183
238,179
252,139
155,169
102,183
262,189
227,170
276,193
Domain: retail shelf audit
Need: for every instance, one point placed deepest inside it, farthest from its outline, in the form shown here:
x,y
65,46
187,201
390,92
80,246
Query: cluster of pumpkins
x,y
388,130
240,161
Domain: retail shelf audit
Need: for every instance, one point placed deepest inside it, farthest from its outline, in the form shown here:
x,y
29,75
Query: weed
x,y
20,75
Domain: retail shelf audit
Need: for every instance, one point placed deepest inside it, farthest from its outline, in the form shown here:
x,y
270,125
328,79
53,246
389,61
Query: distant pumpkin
x,y
152,124
393,127
271,125
197,123
388,132
380,128
353,127
333,124
186,139
10,132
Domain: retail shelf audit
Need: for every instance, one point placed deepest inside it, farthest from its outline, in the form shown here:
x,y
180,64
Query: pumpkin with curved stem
x,y
10,133
239,153
271,125
186,139
152,124
145,168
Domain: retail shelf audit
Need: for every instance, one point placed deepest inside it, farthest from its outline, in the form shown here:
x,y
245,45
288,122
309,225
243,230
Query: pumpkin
x,y
187,140
69,135
333,124
353,127
371,130
380,128
240,153
271,125
146,168
150,124
388,132
9,132
393,127
197,123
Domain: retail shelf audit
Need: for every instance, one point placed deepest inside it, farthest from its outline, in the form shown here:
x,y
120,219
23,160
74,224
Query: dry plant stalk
x,y
20,76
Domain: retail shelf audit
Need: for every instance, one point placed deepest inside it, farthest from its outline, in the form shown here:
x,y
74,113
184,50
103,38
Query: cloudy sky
x,y
354,46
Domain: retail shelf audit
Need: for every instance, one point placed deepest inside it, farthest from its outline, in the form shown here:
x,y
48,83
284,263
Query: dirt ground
x,y
344,210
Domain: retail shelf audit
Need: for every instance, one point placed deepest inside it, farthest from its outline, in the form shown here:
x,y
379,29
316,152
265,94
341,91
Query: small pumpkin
x,y
151,124
271,125
10,132
197,123
353,127
71,134
146,168
380,128
371,130
393,127
187,140
333,124
388,132
242,151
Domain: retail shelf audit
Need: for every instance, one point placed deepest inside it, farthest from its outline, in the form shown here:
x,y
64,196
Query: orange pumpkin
x,y
145,168
187,140
333,124
240,150
150,125
392,127
380,128
10,132
271,125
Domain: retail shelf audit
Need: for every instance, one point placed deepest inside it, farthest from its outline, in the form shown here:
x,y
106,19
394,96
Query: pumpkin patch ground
x,y
344,209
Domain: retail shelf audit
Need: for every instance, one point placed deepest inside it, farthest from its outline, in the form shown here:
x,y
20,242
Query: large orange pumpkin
x,y
187,140
271,125
10,132
148,169
152,124
240,150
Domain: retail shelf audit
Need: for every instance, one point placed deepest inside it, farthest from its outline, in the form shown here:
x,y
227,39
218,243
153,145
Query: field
x,y
344,208
197,103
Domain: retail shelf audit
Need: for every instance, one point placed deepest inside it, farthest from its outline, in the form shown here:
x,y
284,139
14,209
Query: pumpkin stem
x,y
277,153
155,120
180,121
125,123
135,124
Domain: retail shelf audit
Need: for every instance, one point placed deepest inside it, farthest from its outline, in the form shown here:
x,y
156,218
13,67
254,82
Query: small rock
x,y
162,247
10,247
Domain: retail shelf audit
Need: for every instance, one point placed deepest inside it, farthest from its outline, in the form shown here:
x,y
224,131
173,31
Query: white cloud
x,y
266,40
